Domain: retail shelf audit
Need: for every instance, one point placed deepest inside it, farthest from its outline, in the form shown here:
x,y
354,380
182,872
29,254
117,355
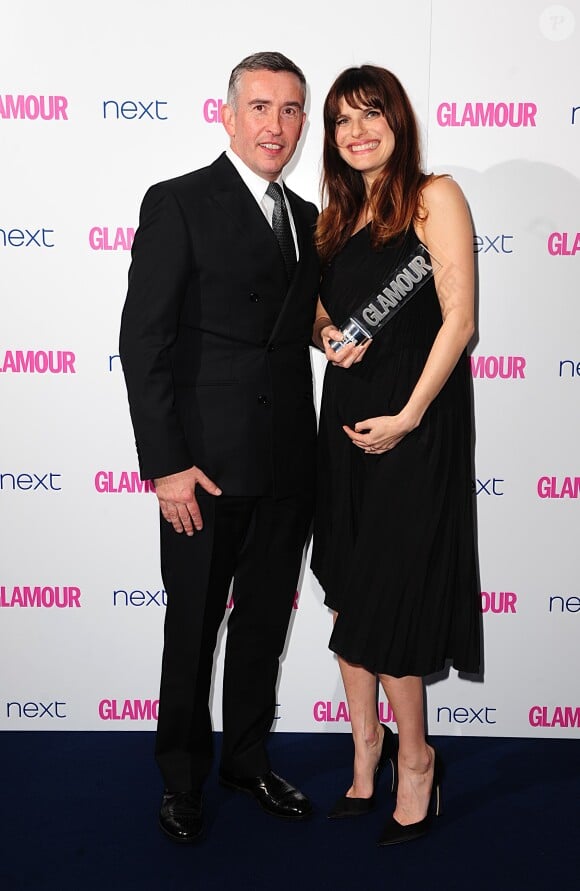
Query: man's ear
x,y
229,120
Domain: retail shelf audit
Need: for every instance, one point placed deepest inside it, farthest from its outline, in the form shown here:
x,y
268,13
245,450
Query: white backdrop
x,y
95,105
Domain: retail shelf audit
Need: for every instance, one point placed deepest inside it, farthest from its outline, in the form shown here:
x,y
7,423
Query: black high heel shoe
x,y
356,807
394,833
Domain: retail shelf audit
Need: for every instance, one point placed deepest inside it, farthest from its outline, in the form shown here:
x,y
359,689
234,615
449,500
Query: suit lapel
x,y
236,200
305,249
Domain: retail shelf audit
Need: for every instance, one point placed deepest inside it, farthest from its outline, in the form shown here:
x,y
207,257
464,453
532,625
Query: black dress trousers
x,y
258,542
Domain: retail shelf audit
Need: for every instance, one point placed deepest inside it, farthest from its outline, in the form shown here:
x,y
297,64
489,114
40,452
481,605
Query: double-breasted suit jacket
x,y
215,341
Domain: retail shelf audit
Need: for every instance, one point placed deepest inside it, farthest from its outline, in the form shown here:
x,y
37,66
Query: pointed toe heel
x,y
357,807
351,807
394,833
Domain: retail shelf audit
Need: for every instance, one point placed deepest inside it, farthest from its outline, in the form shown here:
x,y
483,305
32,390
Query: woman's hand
x,y
347,355
324,331
375,436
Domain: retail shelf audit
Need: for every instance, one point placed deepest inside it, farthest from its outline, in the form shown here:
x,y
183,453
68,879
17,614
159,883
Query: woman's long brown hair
x,y
394,201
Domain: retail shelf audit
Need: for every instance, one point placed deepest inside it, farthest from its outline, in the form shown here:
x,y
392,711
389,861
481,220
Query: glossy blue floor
x,y
79,811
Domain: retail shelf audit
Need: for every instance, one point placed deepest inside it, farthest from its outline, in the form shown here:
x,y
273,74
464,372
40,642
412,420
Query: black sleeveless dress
x,y
393,543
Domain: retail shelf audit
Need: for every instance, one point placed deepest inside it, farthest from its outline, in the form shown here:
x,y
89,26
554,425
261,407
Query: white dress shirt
x,y
257,186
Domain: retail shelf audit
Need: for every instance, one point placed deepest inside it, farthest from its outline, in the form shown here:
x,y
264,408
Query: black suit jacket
x,y
214,342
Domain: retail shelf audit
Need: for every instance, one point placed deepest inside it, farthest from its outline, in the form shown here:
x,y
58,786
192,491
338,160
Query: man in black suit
x,y
215,349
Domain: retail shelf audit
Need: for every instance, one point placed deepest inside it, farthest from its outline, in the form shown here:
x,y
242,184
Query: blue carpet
x,y
79,811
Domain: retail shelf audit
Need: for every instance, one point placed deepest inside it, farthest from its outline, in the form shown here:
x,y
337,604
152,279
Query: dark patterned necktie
x,y
281,227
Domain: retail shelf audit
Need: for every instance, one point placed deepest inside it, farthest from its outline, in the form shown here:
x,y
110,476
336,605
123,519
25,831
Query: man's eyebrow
x,y
259,101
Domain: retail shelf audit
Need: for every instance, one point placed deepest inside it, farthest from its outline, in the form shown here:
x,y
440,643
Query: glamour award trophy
x,y
392,294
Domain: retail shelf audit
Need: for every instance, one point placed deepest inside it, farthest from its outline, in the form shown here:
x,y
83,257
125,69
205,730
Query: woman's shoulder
x,y
440,191
445,221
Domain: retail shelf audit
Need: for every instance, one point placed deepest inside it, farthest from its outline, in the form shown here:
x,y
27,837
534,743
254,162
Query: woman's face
x,y
364,139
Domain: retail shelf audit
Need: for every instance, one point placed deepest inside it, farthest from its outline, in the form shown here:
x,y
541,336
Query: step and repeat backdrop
x,y
97,103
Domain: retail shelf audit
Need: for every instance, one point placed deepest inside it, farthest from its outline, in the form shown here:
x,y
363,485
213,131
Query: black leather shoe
x,y
273,794
180,815
356,807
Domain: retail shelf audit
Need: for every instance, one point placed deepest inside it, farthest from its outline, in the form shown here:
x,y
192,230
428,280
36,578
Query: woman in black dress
x,y
393,537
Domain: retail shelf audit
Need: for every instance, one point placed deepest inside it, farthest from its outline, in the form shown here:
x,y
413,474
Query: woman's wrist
x,y
409,418
319,325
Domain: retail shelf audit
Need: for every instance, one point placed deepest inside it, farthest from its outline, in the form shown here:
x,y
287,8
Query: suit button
x,y
254,297
263,400
271,348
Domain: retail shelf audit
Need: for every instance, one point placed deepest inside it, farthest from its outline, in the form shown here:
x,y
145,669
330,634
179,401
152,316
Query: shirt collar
x,y
256,184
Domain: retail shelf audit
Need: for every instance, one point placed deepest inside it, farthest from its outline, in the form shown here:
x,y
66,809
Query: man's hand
x,y
176,495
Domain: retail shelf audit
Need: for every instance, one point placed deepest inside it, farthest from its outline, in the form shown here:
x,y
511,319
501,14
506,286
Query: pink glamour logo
x,y
498,366
498,601
559,716
330,712
564,244
46,596
125,481
29,108
212,111
37,362
128,709
487,114
103,238
552,487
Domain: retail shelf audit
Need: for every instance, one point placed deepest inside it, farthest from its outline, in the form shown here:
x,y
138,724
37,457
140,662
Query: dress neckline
x,y
362,229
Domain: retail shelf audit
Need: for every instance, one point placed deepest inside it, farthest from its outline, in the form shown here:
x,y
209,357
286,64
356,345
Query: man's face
x,y
265,126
